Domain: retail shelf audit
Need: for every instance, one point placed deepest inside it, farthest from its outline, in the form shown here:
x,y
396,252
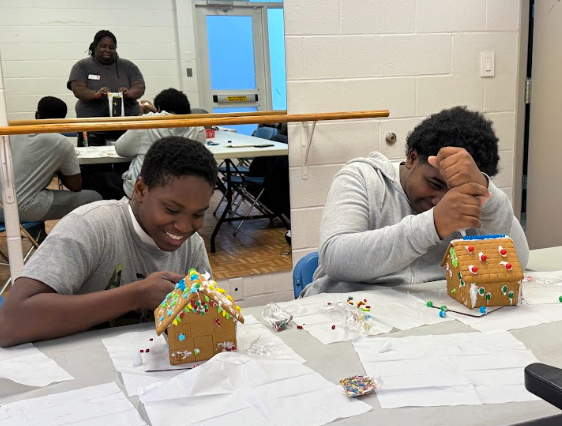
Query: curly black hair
x,y
174,157
172,101
51,107
458,127
97,38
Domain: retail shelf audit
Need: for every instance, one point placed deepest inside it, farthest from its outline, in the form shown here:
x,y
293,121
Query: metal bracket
x,y
305,147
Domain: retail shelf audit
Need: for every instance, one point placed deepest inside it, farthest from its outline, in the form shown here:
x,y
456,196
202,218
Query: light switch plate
x,y
236,288
487,64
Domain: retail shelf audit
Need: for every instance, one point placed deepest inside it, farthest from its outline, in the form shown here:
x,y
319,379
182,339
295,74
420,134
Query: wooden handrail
x,y
143,118
138,124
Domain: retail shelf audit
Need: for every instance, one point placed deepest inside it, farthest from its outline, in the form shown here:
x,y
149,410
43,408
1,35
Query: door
x,y
544,177
237,46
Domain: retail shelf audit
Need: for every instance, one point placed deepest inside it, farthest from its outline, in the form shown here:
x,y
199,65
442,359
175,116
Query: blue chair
x,y
303,272
265,132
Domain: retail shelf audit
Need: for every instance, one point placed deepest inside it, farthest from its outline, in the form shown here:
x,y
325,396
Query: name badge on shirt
x,y
94,77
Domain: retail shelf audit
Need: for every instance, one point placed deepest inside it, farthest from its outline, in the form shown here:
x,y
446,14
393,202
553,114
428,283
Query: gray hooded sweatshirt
x,y
135,144
371,235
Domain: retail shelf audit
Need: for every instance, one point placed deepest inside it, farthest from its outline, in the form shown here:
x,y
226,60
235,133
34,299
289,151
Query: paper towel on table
x,y
233,388
251,336
92,406
454,369
388,308
29,366
541,288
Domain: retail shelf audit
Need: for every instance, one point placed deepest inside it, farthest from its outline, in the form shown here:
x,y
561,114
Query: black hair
x,y
97,38
457,127
51,107
172,101
175,157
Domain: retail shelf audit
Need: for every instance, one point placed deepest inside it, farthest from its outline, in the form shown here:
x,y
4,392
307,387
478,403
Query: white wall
x,y
412,57
41,40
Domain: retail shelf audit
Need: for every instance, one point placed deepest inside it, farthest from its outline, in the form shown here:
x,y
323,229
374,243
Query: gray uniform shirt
x,y
121,73
371,235
36,158
95,248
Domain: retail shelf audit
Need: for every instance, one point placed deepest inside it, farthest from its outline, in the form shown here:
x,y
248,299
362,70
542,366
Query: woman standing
x,y
92,78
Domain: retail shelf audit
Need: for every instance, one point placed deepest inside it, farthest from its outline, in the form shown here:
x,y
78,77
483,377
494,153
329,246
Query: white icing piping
x,y
473,294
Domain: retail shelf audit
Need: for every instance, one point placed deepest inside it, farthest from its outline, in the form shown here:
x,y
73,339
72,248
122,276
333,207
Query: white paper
x,y
513,317
29,366
439,297
233,388
123,350
542,288
92,406
389,308
454,369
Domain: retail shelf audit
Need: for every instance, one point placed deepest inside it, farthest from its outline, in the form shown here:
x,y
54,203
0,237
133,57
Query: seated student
x,y
36,159
390,223
135,143
109,258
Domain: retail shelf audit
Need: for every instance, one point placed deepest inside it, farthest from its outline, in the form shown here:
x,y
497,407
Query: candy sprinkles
x,y
358,385
198,319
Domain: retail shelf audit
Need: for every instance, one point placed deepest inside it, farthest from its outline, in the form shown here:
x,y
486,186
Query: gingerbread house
x,y
483,270
198,319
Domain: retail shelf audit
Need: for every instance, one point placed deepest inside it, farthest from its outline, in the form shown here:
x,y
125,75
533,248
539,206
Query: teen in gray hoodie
x,y
135,143
390,223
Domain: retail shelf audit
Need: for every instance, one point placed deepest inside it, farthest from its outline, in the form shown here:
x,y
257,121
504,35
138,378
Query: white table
x,y
85,358
107,154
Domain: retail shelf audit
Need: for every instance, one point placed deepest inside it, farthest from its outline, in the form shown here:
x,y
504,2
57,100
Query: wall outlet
x,y
236,288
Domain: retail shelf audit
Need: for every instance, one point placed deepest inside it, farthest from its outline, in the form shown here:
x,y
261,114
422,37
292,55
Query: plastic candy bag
x,y
276,316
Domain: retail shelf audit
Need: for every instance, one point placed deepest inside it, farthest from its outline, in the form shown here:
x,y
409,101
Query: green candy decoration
x,y
453,291
511,295
488,296
430,303
504,289
454,259
560,299
481,290
443,308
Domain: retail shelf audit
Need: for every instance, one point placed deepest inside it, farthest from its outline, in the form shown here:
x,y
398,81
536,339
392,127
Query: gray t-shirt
x,y
96,247
36,158
121,73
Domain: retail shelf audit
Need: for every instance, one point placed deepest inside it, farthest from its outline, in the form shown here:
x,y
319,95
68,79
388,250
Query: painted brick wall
x,y
41,40
413,57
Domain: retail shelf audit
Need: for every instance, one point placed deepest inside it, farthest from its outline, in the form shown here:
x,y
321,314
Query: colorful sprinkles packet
x,y
358,385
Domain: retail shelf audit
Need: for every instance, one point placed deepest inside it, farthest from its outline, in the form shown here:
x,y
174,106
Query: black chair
x,y
545,382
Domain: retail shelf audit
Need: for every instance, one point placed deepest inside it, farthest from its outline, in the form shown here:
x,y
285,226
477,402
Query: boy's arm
x,y
350,252
33,311
128,144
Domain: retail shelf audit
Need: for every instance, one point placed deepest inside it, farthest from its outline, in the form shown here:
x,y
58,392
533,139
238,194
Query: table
x,y
85,358
230,145
107,154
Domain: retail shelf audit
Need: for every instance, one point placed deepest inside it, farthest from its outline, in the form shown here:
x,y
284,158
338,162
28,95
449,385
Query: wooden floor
x,y
258,248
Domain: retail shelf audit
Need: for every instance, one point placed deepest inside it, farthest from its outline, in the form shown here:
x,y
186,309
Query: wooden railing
x,y
150,122
144,118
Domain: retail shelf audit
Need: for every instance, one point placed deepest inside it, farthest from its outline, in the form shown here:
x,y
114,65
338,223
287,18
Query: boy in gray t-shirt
x,y
109,258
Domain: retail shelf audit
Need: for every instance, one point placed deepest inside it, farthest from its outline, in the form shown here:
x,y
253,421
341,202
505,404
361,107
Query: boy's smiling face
x,y
173,212
422,183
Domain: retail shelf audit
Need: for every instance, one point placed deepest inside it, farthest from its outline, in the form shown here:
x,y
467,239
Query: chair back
x,y
265,132
303,272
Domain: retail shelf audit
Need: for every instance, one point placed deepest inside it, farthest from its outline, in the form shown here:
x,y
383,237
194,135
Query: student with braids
x,y
390,222
112,258
92,78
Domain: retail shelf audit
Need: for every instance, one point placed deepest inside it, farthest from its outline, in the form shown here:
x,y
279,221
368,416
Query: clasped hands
x,y
460,208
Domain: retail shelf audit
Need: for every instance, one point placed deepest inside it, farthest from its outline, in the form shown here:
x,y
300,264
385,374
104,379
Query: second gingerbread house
x,y
483,270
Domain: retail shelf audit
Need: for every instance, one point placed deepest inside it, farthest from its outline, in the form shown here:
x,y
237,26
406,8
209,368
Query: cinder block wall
x,y
41,41
413,57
